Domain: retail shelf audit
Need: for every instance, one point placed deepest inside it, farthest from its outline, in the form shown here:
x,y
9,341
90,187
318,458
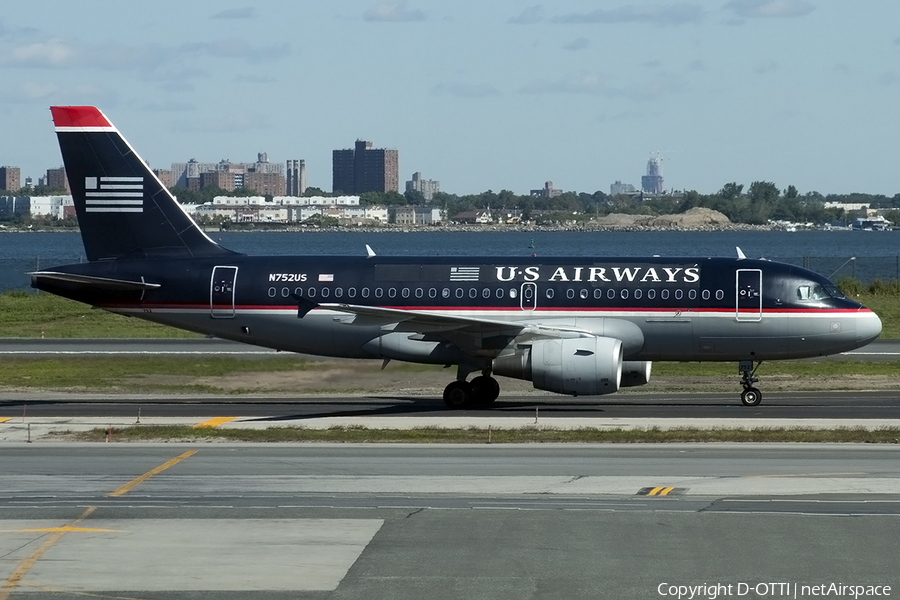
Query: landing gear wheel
x,y
751,396
485,390
458,395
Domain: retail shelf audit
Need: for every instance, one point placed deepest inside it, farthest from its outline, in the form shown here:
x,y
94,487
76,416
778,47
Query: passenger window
x,y
692,294
325,292
549,293
705,295
499,292
379,292
720,295
351,292
486,293
272,292
624,294
460,292
419,292
445,293
651,294
405,292
664,294
513,293
311,292
611,294
679,294
570,293
473,293
583,294
392,292
598,293
365,292
638,293
432,293
338,292
285,292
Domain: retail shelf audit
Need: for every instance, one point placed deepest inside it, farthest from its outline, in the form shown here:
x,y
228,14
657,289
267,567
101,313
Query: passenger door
x,y
748,288
221,292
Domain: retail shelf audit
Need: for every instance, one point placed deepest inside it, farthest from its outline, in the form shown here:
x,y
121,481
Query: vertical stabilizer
x,y
123,209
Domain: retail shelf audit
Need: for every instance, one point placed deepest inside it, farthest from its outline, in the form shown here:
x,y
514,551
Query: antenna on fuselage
x,y
369,252
740,252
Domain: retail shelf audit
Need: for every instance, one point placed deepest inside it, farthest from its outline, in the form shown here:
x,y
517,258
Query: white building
x,y
54,206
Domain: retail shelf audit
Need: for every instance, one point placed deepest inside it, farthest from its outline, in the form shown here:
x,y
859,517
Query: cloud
x,y
169,107
54,53
770,8
673,14
466,90
529,16
51,93
393,12
596,84
768,67
577,44
889,78
590,83
248,12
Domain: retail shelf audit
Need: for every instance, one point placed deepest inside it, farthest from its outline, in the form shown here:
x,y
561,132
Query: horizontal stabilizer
x,y
106,283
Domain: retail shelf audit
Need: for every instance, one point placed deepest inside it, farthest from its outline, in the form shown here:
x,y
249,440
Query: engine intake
x,y
588,366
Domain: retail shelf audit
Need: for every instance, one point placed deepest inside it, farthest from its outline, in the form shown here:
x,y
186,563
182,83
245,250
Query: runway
x,y
377,521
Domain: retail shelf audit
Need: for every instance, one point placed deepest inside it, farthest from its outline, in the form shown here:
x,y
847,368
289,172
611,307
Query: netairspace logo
x,y
712,591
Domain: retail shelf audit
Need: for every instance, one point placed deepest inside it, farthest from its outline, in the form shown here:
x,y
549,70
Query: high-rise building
x,y
10,179
427,187
56,179
652,182
365,169
295,177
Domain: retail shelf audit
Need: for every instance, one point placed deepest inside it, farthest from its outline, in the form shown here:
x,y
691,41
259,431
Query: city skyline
x,y
478,96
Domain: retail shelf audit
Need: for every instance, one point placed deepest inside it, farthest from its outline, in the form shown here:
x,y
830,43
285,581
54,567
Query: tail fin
x,y
123,209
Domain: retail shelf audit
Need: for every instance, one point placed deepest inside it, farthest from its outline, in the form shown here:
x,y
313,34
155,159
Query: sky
x,y
477,95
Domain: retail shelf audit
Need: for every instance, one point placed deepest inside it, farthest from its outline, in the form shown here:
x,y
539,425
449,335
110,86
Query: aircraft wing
x,y
423,322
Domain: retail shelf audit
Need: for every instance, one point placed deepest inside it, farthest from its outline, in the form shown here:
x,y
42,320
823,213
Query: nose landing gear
x,y
750,396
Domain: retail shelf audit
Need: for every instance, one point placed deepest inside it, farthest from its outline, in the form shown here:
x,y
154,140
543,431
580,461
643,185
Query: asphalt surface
x,y
207,521
844,406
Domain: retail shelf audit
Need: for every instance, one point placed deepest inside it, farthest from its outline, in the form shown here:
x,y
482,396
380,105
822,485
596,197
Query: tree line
x,y
759,203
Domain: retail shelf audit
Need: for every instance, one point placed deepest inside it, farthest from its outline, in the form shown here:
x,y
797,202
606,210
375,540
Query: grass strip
x,y
480,435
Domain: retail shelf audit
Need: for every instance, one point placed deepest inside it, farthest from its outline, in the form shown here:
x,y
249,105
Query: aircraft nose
x,y
868,327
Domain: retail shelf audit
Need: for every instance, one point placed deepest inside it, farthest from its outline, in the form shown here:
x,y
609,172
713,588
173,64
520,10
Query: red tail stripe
x,y
78,116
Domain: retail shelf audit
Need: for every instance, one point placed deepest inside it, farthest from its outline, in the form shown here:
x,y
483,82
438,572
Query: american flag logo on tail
x,y
114,194
465,273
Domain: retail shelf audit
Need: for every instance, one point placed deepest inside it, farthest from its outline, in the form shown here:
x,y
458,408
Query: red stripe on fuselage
x,y
78,116
508,309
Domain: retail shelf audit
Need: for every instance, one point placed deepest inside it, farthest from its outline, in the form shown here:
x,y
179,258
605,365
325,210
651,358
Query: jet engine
x,y
635,373
587,366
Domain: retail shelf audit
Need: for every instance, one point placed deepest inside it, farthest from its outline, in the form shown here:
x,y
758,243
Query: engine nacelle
x,y
635,372
588,366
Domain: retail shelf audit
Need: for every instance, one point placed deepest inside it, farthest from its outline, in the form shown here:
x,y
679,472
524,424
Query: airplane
x,y
570,325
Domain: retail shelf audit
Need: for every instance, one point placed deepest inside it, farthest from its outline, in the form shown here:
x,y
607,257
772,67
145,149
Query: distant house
x,y
474,217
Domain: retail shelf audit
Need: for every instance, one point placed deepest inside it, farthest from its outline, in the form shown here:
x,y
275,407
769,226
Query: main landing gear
x,y
750,396
478,393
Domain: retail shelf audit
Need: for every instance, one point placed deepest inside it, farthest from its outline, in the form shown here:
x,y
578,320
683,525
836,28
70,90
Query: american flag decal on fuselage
x,y
114,194
465,273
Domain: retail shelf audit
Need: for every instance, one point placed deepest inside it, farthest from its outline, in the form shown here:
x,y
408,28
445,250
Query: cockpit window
x,y
816,292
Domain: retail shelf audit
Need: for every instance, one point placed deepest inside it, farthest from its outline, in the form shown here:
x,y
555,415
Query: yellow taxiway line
x,y
215,422
149,474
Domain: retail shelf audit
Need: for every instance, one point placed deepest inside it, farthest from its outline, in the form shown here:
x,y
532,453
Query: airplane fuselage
x,y
661,308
